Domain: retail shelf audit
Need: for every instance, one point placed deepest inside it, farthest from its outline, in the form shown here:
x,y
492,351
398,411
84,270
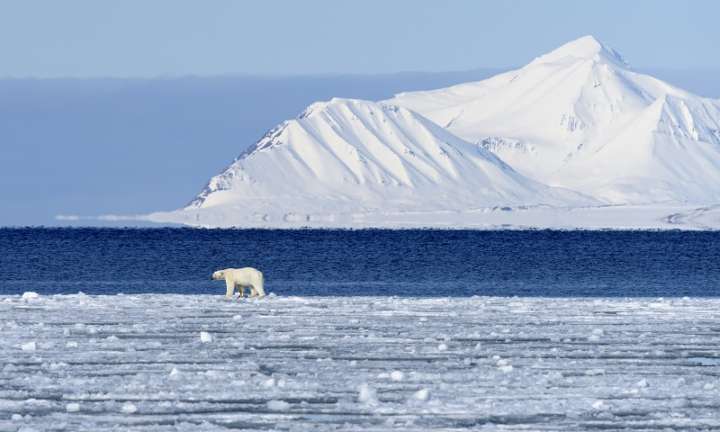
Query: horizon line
x,y
274,76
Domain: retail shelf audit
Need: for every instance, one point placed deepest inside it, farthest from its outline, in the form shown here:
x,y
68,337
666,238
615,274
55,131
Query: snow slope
x,y
579,118
356,157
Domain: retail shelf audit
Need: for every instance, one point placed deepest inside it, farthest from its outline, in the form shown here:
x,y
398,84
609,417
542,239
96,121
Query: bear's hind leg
x,y
259,288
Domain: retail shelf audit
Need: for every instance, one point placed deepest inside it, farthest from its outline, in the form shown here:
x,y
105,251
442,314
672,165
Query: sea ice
x,y
30,295
278,405
422,395
351,363
367,394
128,408
397,375
28,346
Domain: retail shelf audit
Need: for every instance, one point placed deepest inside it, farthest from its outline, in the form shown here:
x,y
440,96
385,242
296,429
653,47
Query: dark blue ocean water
x,y
367,262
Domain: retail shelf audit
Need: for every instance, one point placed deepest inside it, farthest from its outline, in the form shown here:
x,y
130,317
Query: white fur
x,y
241,277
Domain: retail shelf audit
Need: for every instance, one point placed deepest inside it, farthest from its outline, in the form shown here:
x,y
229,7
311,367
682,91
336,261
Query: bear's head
x,y
218,275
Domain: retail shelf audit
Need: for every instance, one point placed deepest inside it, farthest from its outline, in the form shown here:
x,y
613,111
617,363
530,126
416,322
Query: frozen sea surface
x,y
196,362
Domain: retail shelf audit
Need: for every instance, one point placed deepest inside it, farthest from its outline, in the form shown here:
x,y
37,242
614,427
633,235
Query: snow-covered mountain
x,y
356,157
580,118
554,141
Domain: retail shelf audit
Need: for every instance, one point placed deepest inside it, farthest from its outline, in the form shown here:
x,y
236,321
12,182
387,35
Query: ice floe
x,y
141,362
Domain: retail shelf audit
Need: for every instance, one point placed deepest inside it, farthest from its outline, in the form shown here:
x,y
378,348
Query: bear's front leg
x,y
230,287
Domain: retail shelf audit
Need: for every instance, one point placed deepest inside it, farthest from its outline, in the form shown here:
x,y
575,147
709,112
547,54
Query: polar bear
x,y
241,277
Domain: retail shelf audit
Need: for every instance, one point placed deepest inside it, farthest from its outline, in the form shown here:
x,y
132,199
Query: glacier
x,y
574,139
197,362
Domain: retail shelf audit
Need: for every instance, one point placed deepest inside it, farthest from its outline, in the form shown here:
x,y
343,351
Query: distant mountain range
x,y
574,129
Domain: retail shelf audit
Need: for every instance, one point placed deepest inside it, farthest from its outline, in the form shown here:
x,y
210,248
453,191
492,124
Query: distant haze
x,y
132,38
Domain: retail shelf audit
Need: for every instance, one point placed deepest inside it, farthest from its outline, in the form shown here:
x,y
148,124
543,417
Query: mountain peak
x,y
586,47
576,117
337,103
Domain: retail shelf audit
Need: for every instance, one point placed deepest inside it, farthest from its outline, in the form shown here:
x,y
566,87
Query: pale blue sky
x,y
147,38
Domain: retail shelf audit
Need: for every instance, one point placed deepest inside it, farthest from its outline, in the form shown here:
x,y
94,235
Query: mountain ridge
x,y
571,103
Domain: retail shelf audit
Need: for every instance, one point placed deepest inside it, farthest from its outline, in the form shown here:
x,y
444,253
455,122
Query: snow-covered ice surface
x,y
350,363
637,217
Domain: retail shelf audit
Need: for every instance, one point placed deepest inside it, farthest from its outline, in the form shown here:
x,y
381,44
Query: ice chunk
x,y
72,407
57,365
205,337
29,346
269,383
421,395
367,394
30,295
128,408
504,365
397,375
278,405
600,405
